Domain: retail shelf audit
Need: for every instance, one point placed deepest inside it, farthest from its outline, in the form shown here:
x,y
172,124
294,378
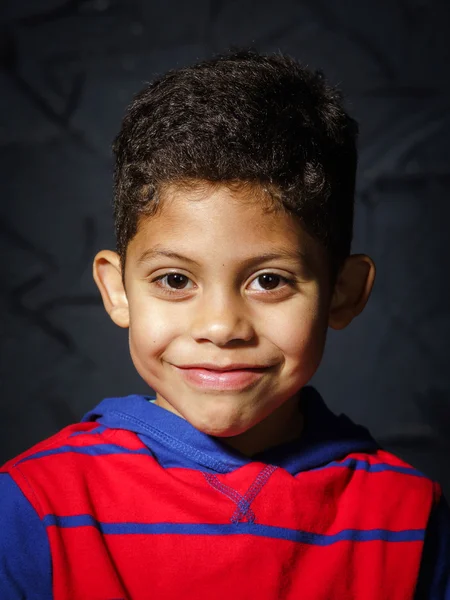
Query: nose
x,y
222,319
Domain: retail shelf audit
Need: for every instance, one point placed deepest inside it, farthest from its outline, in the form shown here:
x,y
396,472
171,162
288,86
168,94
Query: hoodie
x,y
135,503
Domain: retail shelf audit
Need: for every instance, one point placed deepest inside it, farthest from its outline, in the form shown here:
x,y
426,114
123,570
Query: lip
x,y
223,368
235,377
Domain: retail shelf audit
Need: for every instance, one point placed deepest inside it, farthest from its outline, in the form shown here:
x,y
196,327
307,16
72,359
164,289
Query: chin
x,y
220,425
220,430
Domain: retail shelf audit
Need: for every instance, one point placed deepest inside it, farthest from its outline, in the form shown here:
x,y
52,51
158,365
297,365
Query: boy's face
x,y
228,307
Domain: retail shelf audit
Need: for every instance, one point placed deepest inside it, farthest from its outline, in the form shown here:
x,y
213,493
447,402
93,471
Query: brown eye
x,y
177,280
269,281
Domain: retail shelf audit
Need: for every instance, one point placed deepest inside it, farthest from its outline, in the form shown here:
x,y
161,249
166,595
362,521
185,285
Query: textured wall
x,y
68,68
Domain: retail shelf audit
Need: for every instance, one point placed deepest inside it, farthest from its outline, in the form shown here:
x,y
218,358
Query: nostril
x,y
223,333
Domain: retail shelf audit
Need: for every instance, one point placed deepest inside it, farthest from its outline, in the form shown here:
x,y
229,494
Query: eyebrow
x,y
159,252
164,253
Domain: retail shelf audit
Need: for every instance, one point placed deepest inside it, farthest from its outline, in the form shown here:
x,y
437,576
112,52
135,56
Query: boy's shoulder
x,y
78,439
392,473
382,459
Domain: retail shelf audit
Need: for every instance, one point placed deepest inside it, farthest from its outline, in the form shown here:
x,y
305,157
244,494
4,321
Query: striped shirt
x,y
135,503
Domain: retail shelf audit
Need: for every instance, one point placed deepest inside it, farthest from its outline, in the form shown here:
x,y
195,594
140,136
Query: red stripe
x,y
324,501
173,567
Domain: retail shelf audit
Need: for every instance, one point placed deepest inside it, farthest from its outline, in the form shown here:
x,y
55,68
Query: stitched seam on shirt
x,y
259,482
243,507
231,494
228,491
188,450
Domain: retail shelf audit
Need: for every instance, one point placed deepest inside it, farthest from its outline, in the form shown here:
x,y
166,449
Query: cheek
x,y
151,330
299,331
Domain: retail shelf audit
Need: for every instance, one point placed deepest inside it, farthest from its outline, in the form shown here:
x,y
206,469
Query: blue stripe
x,y
268,531
364,465
108,449
97,430
92,450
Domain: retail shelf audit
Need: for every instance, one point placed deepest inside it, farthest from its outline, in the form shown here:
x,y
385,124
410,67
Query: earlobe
x,y
107,274
352,290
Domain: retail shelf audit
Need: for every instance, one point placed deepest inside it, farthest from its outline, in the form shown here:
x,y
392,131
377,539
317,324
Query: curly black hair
x,y
243,117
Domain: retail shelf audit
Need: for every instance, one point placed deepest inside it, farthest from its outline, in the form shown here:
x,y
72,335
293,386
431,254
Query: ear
x,y
352,290
108,277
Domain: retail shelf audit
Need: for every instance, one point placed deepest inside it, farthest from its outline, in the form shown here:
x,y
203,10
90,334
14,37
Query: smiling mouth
x,y
222,368
232,377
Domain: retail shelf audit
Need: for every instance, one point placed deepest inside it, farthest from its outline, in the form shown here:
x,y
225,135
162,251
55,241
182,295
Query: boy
x,y
234,206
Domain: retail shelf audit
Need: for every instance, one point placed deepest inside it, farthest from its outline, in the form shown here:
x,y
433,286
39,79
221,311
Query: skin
x,y
222,300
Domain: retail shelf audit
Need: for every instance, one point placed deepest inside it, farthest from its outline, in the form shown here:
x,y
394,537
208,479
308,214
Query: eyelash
x,y
173,291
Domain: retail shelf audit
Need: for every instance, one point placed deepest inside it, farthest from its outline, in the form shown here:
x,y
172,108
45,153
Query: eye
x,y
174,281
267,282
177,281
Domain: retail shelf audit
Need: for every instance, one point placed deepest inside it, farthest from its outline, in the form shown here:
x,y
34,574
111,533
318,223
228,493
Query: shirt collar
x,y
325,436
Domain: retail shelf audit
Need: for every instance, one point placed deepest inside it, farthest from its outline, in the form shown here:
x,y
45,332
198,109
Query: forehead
x,y
233,222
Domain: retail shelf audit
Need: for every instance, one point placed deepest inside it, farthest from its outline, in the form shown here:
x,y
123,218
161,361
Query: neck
x,y
285,424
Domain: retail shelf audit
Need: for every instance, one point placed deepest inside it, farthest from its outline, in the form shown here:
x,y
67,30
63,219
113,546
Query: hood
x,y
174,442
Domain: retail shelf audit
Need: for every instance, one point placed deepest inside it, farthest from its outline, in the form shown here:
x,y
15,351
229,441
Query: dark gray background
x,y
68,69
